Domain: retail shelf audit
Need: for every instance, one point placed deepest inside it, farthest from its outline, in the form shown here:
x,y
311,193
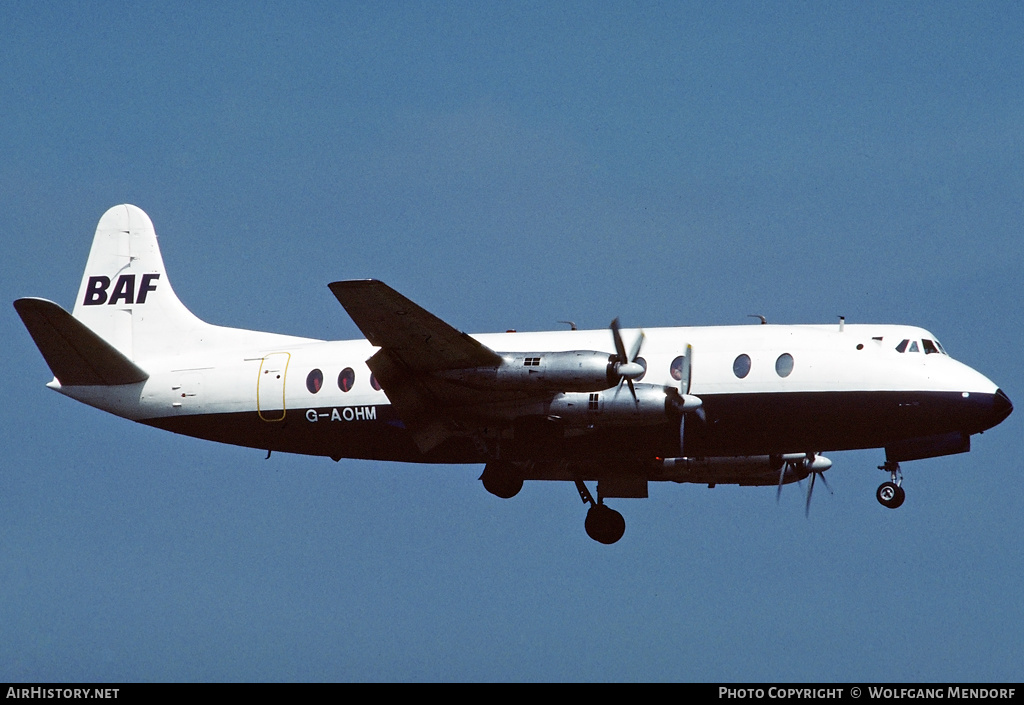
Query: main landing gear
x,y
500,480
603,524
891,494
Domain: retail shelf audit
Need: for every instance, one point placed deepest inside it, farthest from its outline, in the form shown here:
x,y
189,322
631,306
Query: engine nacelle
x,y
569,371
653,404
742,470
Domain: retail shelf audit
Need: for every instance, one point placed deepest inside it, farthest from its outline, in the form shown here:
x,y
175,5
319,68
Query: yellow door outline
x,y
270,385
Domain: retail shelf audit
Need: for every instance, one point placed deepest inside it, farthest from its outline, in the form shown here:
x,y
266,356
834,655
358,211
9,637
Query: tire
x,y
604,524
890,495
500,484
901,495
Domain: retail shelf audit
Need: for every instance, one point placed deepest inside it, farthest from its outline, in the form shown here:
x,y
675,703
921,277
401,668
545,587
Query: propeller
x,y
810,489
685,370
626,366
690,402
782,477
691,405
815,464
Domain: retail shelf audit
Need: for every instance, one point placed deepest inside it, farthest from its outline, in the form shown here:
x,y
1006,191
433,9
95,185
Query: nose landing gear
x,y
891,494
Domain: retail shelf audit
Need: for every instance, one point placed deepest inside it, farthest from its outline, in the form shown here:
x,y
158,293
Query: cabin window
x,y
346,379
374,383
314,381
676,368
741,366
784,365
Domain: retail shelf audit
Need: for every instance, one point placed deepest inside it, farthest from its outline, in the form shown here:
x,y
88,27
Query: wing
x,y
414,346
416,338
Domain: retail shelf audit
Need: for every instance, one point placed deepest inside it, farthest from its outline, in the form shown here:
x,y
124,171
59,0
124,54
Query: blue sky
x,y
510,165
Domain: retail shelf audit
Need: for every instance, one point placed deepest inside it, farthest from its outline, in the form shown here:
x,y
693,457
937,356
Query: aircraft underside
x,y
733,425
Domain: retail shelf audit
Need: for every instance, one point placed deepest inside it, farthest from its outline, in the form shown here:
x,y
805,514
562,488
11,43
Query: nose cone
x,y
1001,407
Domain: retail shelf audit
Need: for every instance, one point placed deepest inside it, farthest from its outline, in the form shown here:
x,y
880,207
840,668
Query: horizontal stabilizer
x,y
412,335
76,355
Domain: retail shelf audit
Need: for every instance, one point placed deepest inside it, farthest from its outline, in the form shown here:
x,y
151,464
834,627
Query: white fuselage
x,y
263,377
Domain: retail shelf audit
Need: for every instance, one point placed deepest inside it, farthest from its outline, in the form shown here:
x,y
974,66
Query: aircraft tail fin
x,y
75,354
125,297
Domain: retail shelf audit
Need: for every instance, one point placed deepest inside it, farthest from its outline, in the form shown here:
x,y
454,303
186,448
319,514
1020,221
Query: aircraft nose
x,y
1001,407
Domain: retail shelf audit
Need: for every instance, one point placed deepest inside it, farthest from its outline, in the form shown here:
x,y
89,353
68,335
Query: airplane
x,y
752,405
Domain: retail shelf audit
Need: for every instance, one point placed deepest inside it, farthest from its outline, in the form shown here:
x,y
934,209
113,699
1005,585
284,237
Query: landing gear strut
x,y
603,524
891,494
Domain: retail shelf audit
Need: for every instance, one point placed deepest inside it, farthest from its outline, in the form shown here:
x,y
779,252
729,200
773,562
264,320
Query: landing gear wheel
x,y
500,480
504,487
604,524
890,495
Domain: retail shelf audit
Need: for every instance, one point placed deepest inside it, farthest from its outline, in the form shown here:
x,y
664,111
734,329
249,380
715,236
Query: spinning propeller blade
x,y
626,365
782,475
684,381
810,489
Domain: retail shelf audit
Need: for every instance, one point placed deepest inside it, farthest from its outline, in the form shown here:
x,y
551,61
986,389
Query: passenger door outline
x,y
270,386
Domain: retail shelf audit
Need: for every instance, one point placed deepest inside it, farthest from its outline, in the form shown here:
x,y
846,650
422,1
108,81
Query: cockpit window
x,y
929,346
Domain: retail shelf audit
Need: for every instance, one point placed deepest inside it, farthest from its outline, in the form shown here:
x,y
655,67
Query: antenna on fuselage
x,y
570,324
764,320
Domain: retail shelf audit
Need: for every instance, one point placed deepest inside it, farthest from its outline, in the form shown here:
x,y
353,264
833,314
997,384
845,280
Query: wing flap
x,y
417,406
75,354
